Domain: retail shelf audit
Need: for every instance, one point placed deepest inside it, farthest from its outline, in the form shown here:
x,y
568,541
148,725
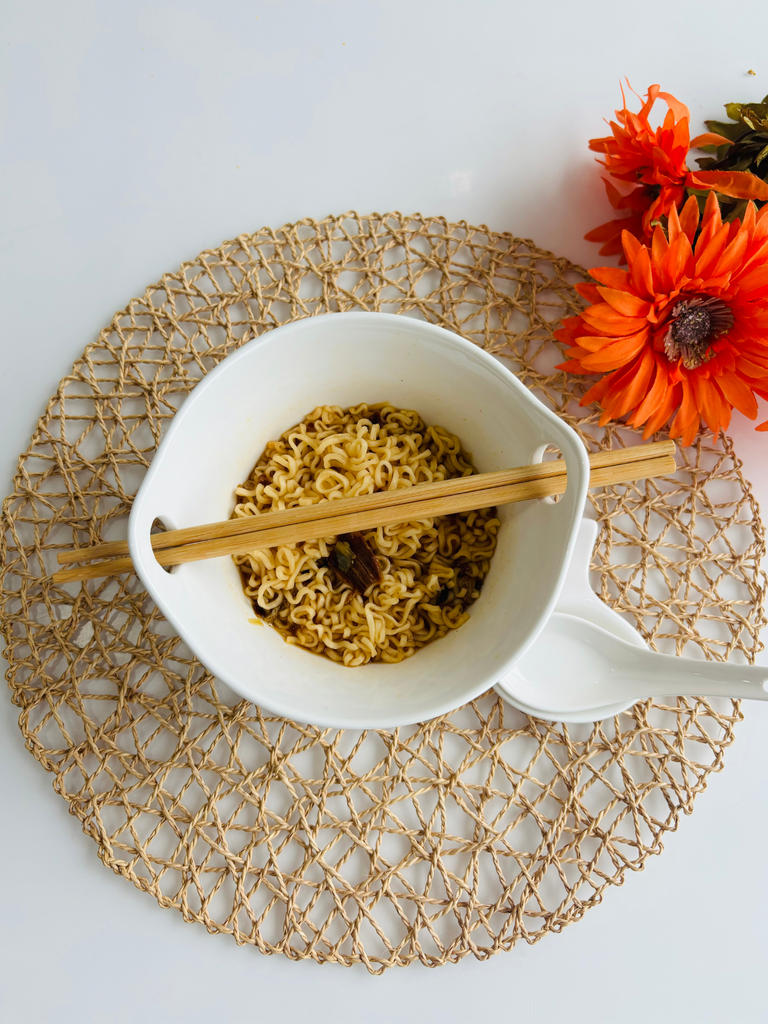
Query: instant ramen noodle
x,y
379,595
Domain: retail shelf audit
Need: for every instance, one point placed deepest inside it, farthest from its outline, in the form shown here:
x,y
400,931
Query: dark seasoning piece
x,y
353,560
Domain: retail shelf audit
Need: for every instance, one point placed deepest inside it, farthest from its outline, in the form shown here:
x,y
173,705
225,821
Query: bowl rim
x,y
153,576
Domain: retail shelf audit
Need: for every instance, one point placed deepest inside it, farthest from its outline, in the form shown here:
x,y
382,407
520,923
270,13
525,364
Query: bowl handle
x,y
155,578
561,436
570,508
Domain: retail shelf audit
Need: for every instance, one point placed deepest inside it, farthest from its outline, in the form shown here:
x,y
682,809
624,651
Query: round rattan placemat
x,y
458,836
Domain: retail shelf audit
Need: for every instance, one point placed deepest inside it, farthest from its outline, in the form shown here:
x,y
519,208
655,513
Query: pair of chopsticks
x,y
384,508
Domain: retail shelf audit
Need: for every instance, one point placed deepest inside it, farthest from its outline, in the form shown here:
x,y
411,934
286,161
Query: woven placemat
x,y
458,836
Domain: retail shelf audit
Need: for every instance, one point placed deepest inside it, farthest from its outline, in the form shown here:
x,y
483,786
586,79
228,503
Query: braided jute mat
x,y
461,835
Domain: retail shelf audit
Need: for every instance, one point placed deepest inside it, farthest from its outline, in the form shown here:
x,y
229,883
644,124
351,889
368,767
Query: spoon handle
x,y
657,675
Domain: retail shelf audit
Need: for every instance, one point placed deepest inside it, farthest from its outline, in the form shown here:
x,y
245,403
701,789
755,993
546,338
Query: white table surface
x,y
135,134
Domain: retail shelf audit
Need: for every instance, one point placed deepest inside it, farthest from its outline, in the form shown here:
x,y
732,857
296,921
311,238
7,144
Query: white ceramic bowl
x,y
342,359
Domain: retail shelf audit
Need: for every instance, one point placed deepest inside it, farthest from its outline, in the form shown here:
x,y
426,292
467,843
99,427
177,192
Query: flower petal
x,y
607,385
688,411
756,351
710,221
610,276
605,232
708,401
642,274
733,255
689,218
655,397
606,320
597,391
737,184
707,259
750,369
611,357
630,245
594,342
673,225
571,366
659,246
679,110
677,262
758,255
588,291
629,396
659,418
689,434
739,394
710,139
566,334
625,302
574,359
756,280
750,218
686,423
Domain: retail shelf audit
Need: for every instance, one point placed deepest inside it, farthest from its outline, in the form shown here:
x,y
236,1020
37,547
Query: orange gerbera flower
x,y
683,331
654,161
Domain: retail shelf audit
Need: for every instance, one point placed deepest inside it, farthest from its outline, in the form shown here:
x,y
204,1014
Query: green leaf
x,y
744,164
754,115
719,151
761,155
733,110
730,131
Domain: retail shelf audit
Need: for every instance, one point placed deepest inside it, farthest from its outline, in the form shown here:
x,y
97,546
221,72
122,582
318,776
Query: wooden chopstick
x,y
381,499
283,528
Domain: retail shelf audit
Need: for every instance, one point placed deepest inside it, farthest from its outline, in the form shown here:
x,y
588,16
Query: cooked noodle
x,y
431,569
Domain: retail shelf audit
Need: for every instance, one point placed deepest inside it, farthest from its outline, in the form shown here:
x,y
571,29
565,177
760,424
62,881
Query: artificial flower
x,y
682,333
654,162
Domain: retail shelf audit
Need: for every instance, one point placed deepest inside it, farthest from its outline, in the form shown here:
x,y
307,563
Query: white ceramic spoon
x,y
574,665
578,598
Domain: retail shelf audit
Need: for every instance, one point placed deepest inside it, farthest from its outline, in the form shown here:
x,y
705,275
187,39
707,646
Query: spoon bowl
x,y
575,666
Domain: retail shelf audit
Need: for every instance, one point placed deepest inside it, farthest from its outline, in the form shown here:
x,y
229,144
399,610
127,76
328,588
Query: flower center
x,y
695,324
692,327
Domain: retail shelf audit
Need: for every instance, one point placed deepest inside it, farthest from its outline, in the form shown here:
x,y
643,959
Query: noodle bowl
x,y
268,384
430,570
